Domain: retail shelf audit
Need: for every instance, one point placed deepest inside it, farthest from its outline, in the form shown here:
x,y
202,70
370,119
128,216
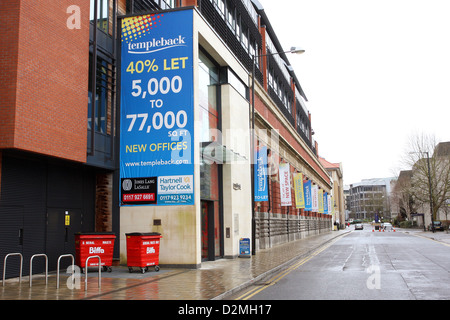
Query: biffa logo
x,y
96,250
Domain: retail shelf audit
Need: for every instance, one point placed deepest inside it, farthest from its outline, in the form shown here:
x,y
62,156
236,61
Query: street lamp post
x,y
296,50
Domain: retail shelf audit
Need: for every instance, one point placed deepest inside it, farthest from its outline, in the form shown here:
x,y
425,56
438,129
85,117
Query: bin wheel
x,y
156,268
130,269
105,268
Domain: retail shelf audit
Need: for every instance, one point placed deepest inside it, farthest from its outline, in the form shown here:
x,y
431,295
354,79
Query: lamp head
x,y
297,50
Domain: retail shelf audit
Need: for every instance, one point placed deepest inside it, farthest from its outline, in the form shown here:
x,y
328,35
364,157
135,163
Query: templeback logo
x,y
155,45
135,28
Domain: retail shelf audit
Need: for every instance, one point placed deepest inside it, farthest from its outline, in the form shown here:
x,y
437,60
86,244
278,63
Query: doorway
x,y
62,224
211,235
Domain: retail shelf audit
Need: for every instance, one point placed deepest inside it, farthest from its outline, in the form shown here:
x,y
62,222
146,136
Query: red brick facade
x,y
44,78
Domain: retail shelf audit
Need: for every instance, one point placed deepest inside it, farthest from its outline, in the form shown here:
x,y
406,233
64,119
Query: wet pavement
x,y
214,280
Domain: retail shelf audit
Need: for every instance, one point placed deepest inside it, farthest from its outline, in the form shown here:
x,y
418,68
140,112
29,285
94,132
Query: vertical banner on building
x,y
298,186
157,109
320,198
285,184
325,202
330,204
315,198
308,197
260,175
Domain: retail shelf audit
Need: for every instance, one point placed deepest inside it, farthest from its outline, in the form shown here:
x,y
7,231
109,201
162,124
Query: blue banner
x,y
260,175
307,193
157,109
325,202
244,248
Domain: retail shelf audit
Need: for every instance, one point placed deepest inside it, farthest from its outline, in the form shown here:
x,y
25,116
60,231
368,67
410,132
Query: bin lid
x,y
95,233
143,234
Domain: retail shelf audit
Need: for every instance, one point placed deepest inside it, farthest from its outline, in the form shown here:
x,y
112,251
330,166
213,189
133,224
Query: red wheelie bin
x,y
143,250
94,244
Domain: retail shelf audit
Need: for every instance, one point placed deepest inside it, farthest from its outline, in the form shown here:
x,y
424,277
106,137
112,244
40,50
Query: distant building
x,y
410,200
337,177
370,198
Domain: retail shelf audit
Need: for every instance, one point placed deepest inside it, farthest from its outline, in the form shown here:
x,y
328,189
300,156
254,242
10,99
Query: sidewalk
x,y
440,236
214,280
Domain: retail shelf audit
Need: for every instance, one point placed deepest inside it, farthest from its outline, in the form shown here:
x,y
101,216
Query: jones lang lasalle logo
x,y
135,28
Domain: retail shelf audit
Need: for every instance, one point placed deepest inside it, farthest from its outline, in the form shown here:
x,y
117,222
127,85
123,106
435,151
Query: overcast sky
x,y
374,72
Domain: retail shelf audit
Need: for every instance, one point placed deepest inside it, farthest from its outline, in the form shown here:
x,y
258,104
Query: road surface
x,y
363,265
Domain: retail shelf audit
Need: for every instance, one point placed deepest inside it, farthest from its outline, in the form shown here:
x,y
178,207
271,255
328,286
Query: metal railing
x,y
4,266
46,267
99,272
57,269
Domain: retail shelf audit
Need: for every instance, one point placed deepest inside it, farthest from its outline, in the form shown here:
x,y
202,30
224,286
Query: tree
x,y
402,195
430,163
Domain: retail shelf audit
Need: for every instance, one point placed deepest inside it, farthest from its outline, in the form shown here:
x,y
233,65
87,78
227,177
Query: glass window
x,y
236,83
209,171
231,16
238,27
102,14
244,37
103,97
208,79
221,5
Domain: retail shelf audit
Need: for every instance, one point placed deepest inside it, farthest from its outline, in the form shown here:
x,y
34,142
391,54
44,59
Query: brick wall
x,y
44,82
9,15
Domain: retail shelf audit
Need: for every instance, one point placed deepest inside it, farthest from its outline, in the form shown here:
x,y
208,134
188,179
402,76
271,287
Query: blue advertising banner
x,y
157,109
307,193
244,248
325,202
260,174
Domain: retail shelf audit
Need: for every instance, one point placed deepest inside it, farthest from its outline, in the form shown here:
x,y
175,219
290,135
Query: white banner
x,y
315,198
285,184
330,204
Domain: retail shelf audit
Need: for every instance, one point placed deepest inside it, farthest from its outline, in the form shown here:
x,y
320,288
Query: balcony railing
x,y
138,6
216,18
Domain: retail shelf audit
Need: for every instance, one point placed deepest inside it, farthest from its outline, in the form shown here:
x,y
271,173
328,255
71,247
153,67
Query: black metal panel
x,y
65,187
11,238
281,106
23,186
303,119
35,194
